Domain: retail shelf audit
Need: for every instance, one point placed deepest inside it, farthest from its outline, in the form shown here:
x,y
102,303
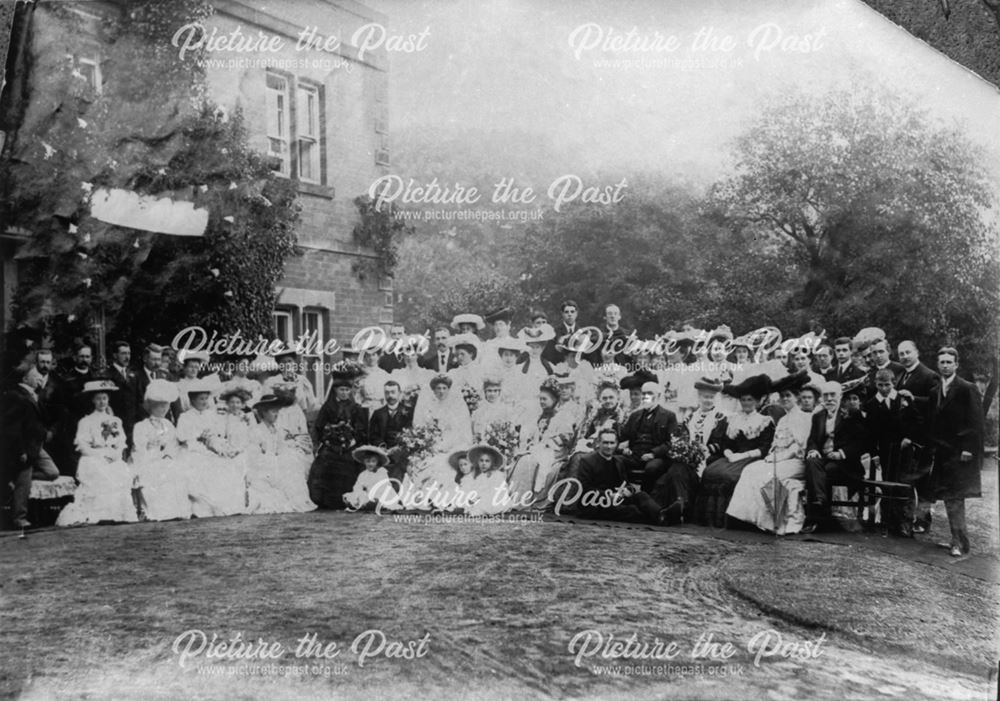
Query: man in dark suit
x,y
956,431
837,441
387,422
75,405
845,370
613,334
22,453
605,492
440,359
880,361
916,384
152,360
566,327
49,395
883,414
392,359
123,402
646,447
823,362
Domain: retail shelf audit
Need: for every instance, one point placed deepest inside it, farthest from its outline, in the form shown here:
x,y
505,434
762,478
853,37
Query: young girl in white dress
x,y
489,482
105,491
163,487
216,483
372,487
276,465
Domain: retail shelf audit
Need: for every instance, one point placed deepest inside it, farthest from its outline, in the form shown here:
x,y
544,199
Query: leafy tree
x,y
888,218
161,138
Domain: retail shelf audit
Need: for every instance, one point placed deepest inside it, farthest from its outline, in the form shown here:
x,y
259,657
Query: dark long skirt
x,y
331,476
717,484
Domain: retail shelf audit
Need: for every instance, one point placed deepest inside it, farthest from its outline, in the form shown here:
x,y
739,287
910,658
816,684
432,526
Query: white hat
x,y
539,334
468,319
160,390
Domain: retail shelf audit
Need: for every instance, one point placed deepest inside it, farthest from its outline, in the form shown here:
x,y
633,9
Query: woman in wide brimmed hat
x,y
468,323
756,499
340,425
105,490
276,466
163,488
744,438
706,424
216,482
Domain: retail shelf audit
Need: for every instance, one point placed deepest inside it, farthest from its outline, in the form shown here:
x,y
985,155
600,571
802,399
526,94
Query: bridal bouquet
x,y
684,449
472,397
419,441
109,429
503,436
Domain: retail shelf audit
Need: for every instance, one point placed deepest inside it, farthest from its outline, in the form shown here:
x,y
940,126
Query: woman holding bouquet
x,y
492,411
163,487
340,425
445,415
216,479
545,446
105,491
746,437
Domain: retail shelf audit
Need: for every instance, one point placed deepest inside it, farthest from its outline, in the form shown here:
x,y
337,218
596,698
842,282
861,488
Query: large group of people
x,y
700,426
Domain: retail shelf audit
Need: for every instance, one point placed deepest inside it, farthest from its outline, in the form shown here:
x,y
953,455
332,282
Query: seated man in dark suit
x,y
387,422
837,441
605,492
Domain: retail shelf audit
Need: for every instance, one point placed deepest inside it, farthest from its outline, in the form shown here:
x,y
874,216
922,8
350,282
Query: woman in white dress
x,y
105,490
412,378
216,483
276,465
786,461
545,444
191,364
506,369
466,348
163,487
492,410
451,415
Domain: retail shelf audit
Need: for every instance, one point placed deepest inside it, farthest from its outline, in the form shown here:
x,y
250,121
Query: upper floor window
x,y
295,127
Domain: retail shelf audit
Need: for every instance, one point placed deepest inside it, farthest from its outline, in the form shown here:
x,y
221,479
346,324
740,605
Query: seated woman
x,y
276,465
545,446
492,411
447,411
489,482
706,424
756,499
216,483
340,425
163,487
237,423
746,438
105,491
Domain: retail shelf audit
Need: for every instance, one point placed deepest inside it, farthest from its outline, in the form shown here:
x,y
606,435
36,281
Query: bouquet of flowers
x,y
471,396
685,450
503,436
419,441
338,436
348,367
109,429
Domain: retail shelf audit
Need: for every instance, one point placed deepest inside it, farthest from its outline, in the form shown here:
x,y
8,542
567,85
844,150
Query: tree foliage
x,y
162,138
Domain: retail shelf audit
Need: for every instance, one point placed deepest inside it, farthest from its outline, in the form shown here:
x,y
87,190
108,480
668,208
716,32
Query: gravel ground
x,y
94,612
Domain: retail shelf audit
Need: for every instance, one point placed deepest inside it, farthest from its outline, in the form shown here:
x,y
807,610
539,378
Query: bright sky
x,y
503,64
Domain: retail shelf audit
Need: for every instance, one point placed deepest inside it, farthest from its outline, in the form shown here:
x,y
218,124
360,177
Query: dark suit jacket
x,y
853,372
141,383
922,383
123,402
849,435
390,362
598,474
957,424
384,430
664,423
550,353
430,361
50,401
23,430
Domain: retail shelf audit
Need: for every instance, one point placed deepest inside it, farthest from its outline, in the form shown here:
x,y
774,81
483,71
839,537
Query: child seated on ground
x,y
454,496
372,487
489,482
